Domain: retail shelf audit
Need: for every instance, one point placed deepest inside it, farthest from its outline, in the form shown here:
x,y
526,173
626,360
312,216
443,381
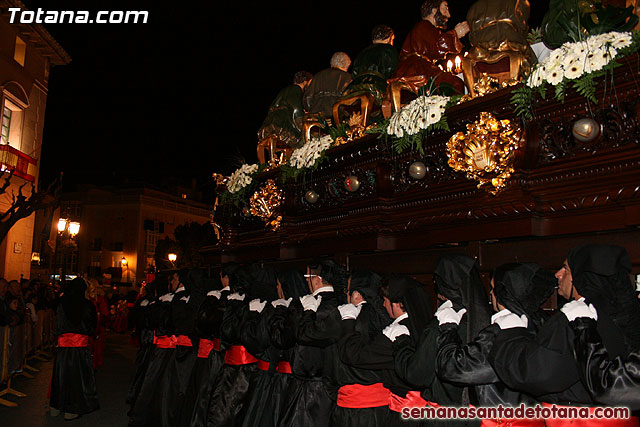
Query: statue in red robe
x,y
428,43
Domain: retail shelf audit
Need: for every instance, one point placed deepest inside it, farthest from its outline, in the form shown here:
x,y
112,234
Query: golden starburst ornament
x,y
486,153
265,203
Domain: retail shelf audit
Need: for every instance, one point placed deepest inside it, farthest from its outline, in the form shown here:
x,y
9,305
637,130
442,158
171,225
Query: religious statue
x,y
374,65
499,31
427,43
327,86
371,69
282,126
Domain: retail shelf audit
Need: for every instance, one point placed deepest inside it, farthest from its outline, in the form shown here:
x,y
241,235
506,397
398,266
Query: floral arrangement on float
x,y
307,157
414,121
240,182
575,65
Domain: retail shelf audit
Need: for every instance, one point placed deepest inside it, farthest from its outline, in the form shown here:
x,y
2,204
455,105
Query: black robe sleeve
x,y
538,364
319,329
465,364
415,363
281,330
254,335
355,351
612,382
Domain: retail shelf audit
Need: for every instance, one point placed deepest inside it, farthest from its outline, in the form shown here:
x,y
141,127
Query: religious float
x,y
540,155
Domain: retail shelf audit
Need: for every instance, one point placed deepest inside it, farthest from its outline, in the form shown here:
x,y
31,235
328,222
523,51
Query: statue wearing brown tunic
x,y
424,45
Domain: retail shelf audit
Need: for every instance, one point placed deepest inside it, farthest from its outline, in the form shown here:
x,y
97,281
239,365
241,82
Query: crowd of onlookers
x,y
28,322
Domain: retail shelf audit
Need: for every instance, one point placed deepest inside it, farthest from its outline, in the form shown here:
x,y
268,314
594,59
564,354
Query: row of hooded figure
x,y
331,348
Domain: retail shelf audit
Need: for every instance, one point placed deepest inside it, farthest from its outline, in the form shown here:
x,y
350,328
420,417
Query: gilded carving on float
x,y
265,203
486,152
485,85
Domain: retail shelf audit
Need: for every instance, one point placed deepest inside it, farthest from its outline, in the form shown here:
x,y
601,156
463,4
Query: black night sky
x,y
184,95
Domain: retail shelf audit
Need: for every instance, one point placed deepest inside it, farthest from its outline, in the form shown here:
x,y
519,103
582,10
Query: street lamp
x,y
67,231
172,257
125,264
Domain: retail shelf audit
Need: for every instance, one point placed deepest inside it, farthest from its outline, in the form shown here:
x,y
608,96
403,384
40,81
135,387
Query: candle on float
x,y
458,62
449,65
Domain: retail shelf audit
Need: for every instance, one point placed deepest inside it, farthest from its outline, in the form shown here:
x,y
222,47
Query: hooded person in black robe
x,y
188,297
261,409
407,303
291,286
611,381
521,288
316,326
209,359
362,398
229,395
458,283
73,384
543,364
145,327
154,405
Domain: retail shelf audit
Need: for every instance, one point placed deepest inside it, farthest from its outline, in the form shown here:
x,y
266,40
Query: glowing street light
x,y
62,225
172,257
124,261
74,228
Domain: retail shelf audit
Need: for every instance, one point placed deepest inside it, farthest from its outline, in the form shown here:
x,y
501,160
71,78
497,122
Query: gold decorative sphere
x,y
417,170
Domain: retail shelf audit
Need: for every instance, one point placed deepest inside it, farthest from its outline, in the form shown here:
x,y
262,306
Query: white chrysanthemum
x,y
622,40
574,67
554,75
554,59
241,177
535,79
306,156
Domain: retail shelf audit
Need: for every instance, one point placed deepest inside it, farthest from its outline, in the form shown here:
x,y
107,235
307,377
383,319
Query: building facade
x,y
116,224
27,53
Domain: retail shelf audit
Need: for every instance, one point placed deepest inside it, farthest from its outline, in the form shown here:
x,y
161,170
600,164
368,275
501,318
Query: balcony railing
x,y
23,166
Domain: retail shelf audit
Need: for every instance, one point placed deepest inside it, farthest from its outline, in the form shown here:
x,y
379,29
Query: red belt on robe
x,y
284,367
183,340
73,340
508,422
165,341
238,355
595,422
363,396
205,346
413,400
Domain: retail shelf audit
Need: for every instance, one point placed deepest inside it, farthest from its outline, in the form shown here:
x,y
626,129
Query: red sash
x,y
262,365
595,422
164,341
284,367
238,355
504,422
413,400
183,340
204,348
73,340
363,396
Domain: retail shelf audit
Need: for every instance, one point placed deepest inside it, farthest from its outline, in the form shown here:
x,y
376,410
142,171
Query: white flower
x,y
306,156
535,79
554,75
421,113
574,67
241,177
